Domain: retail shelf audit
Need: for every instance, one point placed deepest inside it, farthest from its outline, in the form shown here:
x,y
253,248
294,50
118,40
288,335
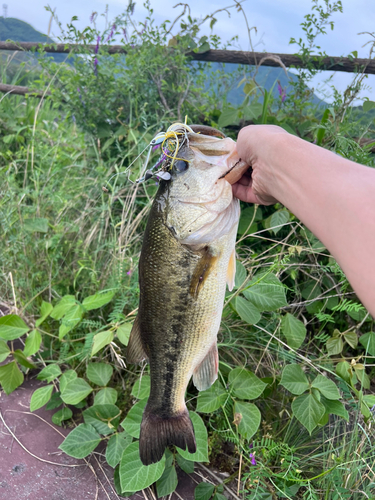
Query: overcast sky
x,y
276,22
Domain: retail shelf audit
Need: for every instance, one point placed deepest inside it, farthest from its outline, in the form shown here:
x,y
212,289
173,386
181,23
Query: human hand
x,y
258,146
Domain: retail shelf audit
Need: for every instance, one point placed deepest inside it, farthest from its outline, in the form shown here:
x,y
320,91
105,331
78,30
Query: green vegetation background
x,y
292,408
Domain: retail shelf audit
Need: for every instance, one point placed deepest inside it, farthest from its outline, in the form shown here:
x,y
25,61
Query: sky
x,y
276,21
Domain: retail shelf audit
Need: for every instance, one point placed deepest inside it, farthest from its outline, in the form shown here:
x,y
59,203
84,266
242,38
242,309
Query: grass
x,y
72,223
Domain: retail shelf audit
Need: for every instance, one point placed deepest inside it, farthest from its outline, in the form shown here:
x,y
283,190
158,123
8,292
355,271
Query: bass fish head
x,y
200,207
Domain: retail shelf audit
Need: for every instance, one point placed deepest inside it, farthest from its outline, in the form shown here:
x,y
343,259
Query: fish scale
x,y
182,286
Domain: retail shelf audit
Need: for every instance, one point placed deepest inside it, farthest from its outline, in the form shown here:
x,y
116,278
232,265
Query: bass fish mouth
x,y
235,173
239,166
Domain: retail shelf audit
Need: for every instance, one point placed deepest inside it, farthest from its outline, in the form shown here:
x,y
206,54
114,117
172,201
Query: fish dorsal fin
x,y
205,373
231,272
135,352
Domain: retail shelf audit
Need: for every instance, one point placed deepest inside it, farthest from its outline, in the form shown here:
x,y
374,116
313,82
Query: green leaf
x,y
334,346
241,274
106,396
22,359
4,351
36,225
311,290
115,448
12,327
32,343
45,311
343,370
97,300
326,386
245,384
167,483
365,411
123,332
116,480
134,476
54,402
367,105
132,422
249,418
247,311
10,377
101,340
186,465
75,391
369,399
294,379
219,496
200,431
266,292
63,306
335,408
104,418
294,330
359,315
141,388
277,220
308,411
49,373
211,399
229,116
249,87
203,491
99,373
67,377
81,441
70,320
368,342
362,377
254,110
351,338
61,415
322,130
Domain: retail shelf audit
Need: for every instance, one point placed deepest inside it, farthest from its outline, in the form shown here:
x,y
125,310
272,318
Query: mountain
x,y
19,31
266,77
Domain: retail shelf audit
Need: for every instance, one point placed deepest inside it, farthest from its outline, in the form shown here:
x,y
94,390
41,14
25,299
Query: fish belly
x,y
178,327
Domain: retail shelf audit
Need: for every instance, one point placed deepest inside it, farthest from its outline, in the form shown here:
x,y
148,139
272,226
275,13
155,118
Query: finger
x,y
244,193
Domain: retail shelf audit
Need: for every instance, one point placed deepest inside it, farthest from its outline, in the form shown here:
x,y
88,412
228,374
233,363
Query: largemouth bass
x,y
187,258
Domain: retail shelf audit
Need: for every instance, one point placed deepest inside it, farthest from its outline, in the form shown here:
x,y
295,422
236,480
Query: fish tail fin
x,y
159,432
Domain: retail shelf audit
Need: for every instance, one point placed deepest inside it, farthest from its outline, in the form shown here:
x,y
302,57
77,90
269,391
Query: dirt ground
x,y
33,468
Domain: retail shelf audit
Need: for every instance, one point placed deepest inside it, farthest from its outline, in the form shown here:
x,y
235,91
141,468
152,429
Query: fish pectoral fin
x,y
203,269
231,272
135,352
205,374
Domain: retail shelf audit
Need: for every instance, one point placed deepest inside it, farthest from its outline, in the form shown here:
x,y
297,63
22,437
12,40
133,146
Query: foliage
x,y
292,403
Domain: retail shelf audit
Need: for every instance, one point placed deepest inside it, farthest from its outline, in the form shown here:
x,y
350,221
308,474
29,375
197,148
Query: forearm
x,y
335,198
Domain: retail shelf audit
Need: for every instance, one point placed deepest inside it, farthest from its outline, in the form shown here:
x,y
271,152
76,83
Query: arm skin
x,y
332,196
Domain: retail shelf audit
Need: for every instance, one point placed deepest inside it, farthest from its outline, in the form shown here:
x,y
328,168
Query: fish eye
x,y
181,165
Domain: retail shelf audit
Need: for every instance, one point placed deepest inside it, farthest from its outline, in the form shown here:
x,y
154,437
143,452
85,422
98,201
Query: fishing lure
x,y
171,141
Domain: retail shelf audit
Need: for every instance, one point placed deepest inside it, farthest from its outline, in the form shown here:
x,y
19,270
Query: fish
x,y
187,257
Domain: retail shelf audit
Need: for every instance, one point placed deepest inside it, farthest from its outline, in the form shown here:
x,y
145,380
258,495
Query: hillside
x,y
20,31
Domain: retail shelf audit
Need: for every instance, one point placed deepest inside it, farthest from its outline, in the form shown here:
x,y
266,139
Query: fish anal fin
x,y
203,269
158,432
231,272
135,352
205,373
